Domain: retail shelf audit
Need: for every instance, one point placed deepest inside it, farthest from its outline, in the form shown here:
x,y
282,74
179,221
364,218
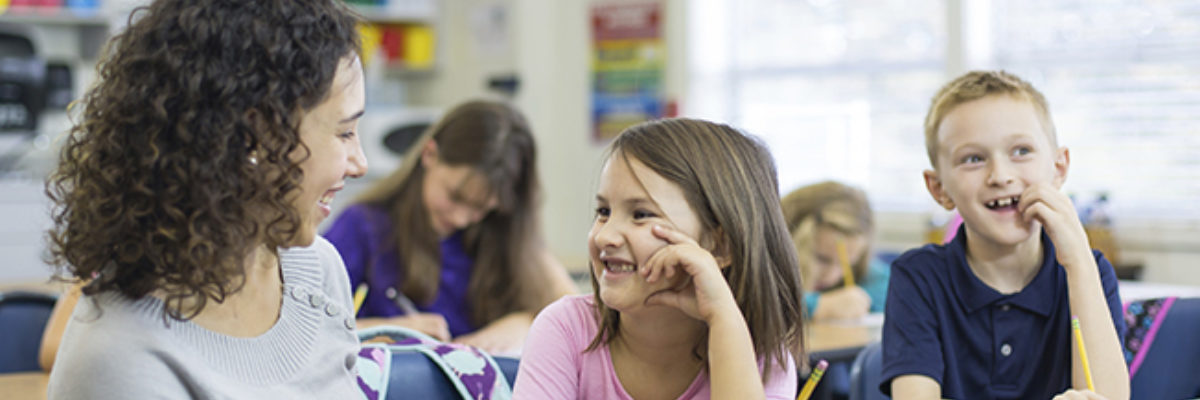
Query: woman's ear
x,y
429,154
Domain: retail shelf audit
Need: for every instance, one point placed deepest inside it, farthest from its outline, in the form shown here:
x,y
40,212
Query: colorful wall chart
x,y
627,66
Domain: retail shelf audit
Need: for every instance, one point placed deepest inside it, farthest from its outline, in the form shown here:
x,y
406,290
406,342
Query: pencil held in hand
x,y
360,294
402,301
1087,370
813,378
844,259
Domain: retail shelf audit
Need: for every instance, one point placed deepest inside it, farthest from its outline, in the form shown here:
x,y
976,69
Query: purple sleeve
x,y
1108,282
350,234
550,365
783,382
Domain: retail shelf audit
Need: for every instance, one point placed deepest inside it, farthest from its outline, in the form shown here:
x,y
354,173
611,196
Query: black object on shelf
x,y
58,86
506,84
22,79
399,139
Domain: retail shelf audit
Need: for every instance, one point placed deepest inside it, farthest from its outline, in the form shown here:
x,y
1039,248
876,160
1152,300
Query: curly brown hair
x,y
181,162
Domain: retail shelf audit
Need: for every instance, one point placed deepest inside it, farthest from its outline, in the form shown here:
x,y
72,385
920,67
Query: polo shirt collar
x,y
1037,297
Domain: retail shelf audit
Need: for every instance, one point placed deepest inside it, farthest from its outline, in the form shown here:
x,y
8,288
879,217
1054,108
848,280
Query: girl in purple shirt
x,y
450,243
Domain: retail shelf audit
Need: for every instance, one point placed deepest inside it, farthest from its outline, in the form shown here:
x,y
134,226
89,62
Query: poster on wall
x,y
627,66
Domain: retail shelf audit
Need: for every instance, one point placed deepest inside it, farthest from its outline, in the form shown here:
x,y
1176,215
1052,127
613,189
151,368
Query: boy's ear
x,y
1062,162
934,185
429,154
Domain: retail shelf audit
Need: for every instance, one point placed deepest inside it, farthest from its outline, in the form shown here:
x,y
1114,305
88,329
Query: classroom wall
x,y
553,57
550,53
548,47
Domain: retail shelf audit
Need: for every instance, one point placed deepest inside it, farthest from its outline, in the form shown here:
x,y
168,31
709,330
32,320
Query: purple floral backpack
x,y
473,372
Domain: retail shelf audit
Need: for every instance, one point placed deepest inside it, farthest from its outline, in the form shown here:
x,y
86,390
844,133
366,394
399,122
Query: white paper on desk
x,y
872,320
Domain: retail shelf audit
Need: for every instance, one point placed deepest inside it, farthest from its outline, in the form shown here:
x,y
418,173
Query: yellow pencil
x,y
1087,371
813,378
844,259
360,294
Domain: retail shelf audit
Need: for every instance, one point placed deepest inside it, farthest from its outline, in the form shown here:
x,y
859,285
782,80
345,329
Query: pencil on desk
x,y
844,259
1087,370
813,378
360,294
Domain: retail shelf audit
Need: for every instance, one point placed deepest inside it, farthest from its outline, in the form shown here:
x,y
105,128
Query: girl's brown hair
x,y
828,204
729,180
494,139
156,188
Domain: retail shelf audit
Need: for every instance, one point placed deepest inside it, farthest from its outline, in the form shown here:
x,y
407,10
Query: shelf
x,y
401,72
90,24
52,16
396,13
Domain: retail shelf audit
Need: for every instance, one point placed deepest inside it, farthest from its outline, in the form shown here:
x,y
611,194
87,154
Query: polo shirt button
x,y
332,310
349,322
1005,349
1005,307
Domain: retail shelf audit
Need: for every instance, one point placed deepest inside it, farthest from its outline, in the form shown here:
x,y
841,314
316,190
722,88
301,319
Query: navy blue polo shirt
x,y
945,323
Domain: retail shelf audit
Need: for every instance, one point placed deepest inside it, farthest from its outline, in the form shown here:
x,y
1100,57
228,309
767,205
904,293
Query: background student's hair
x,y
729,180
829,204
495,140
181,154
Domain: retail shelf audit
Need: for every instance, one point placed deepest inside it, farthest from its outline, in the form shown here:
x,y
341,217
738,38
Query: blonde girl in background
x,y
696,286
820,216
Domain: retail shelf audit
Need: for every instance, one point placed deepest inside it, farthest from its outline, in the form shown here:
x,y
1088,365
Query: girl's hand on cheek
x,y
1057,215
704,294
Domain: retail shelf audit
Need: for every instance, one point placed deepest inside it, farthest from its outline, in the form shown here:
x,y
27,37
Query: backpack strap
x,y
473,372
1142,320
374,370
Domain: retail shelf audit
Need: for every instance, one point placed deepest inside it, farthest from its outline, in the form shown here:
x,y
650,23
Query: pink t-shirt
x,y
554,364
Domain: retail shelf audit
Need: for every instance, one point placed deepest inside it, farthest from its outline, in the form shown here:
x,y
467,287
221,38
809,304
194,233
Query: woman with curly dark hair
x,y
188,196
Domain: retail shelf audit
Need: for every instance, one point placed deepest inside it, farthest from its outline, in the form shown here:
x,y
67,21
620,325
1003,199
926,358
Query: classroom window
x,y
839,89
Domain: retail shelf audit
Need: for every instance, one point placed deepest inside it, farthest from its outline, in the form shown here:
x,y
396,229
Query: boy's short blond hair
x,y
975,85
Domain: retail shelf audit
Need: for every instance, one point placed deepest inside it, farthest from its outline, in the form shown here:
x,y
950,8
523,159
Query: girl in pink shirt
x,y
696,287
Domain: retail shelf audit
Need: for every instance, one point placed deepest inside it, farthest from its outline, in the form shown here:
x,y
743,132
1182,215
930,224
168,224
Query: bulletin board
x,y
627,66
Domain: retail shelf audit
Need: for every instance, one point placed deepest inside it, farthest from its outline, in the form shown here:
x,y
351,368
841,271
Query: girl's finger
x,y
671,236
665,298
660,260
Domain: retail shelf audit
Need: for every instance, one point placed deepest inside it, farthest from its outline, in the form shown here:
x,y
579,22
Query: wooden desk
x,y
830,341
1137,290
53,287
840,342
24,385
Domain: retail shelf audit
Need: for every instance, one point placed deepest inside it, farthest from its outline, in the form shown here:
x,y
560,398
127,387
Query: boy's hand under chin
x,y
1048,205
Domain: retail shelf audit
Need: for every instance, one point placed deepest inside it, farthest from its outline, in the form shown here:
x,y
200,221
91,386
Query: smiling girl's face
x,y
632,199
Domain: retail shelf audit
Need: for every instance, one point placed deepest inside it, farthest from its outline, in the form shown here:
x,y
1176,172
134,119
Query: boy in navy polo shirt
x,y
988,316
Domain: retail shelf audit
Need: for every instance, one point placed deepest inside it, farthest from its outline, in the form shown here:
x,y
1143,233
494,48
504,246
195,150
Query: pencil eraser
x,y
822,364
